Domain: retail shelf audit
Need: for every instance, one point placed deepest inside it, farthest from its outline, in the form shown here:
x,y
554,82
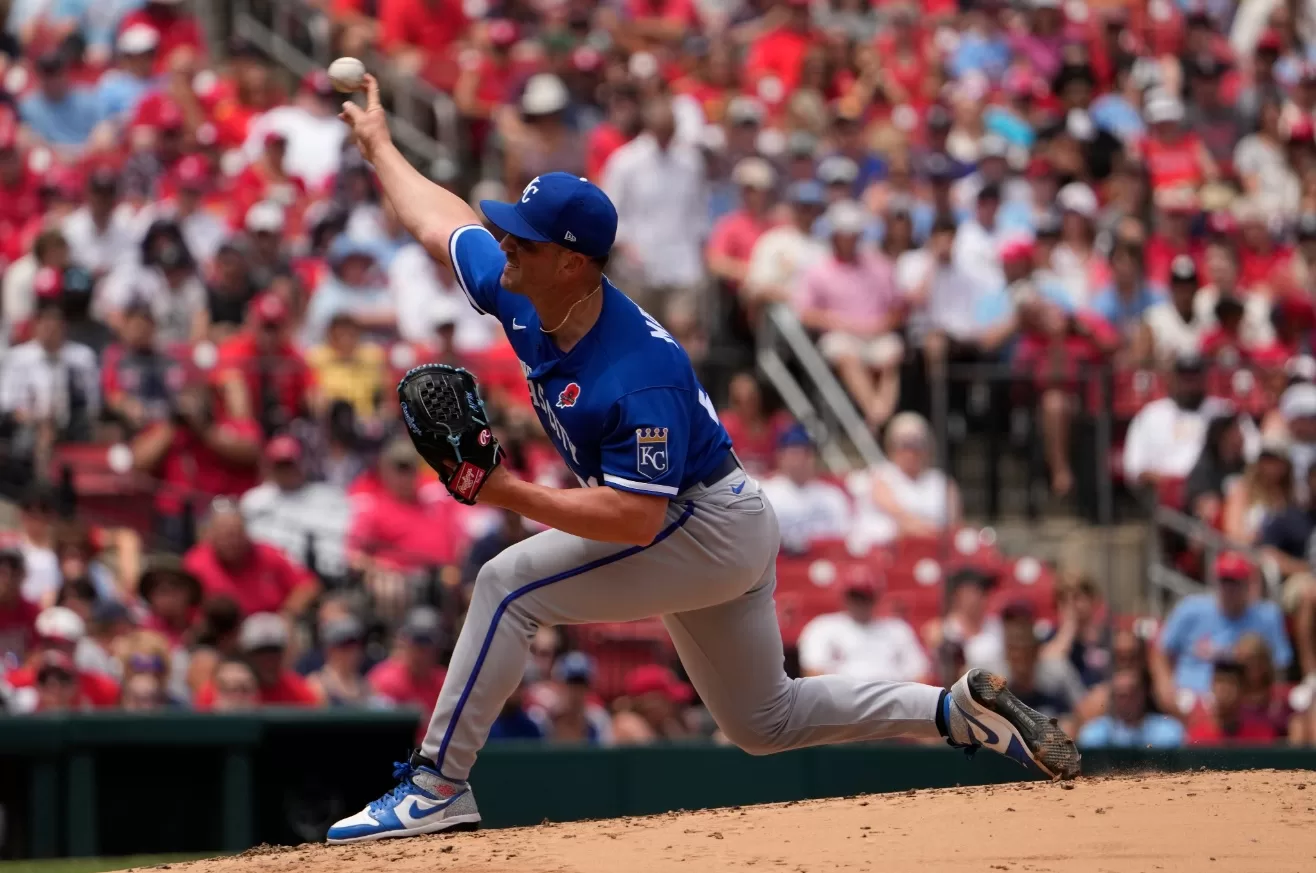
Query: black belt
x,y
728,466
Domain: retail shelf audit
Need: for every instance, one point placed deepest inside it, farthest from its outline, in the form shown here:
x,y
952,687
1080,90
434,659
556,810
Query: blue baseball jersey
x,y
623,407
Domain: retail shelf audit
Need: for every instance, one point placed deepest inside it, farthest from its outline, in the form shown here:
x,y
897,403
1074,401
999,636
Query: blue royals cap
x,y
559,208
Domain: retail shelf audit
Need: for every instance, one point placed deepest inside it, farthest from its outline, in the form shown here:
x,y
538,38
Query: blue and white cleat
x,y
981,712
424,802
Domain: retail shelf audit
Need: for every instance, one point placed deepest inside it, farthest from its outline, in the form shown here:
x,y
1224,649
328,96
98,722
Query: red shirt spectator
x,y
733,237
177,29
18,617
779,53
383,530
261,371
1222,719
263,640
257,576
753,431
58,631
428,25
603,140
412,676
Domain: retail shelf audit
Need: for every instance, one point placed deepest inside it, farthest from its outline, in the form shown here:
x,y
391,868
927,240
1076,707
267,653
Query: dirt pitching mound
x,y
1262,821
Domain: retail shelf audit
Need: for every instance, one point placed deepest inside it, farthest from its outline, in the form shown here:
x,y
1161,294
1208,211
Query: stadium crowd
x,y
198,271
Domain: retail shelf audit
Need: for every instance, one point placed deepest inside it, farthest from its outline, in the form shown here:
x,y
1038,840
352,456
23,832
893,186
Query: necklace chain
x,y
596,290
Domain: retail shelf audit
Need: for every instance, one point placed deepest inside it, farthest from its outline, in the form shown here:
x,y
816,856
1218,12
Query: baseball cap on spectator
x,y
139,39
344,247
342,632
1079,198
1048,226
754,172
422,626
806,192
801,144
794,436
502,32
838,170
1163,108
163,568
169,118
970,576
860,580
283,449
1016,247
192,173
1298,401
265,217
1183,269
263,631
55,663
993,145
1270,41
108,613
1301,368
545,94
399,452
1233,567
563,209
744,110
938,167
574,668
1276,447
444,313
48,283
317,82
1189,362
59,624
269,308
655,678
846,217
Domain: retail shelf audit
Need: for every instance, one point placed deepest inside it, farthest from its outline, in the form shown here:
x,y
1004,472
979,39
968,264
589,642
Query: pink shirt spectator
x,y
392,680
734,236
863,292
384,528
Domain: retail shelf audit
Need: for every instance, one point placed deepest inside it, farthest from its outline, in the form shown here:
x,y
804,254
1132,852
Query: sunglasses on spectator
x,y
146,664
55,676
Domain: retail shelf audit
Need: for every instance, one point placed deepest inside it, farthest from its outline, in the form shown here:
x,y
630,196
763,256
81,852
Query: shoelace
x,y
402,771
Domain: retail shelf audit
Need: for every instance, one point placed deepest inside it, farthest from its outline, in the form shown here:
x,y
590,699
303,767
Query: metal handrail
x,y
413,99
783,333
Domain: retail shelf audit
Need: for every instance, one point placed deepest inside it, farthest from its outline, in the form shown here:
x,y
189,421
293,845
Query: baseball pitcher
x,y
667,524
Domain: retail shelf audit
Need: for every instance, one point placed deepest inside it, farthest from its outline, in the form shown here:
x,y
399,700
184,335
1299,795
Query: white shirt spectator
x,y
203,231
1278,188
315,144
1174,337
882,648
1256,330
1166,440
977,254
951,300
813,511
175,309
418,288
925,497
780,257
286,519
40,385
661,197
98,250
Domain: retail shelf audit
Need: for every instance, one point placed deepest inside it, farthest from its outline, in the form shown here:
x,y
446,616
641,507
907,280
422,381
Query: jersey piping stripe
x,y
526,589
641,486
456,266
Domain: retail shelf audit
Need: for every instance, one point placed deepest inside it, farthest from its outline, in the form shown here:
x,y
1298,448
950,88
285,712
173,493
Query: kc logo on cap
x,y
559,208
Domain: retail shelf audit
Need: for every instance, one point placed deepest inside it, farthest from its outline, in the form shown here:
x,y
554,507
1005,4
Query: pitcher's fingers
x,y
372,93
351,113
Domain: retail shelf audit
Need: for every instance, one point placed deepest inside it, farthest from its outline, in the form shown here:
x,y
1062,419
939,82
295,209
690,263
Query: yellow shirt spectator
x,y
348,369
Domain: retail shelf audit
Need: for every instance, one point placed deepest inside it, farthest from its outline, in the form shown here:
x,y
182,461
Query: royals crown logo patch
x,y
651,451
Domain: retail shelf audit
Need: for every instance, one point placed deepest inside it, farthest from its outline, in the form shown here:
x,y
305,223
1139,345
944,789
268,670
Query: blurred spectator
x,y
1222,461
1259,504
1049,685
300,518
968,623
808,508
48,257
264,644
18,615
1083,634
172,594
1127,299
905,496
1128,724
753,430
144,652
235,687
345,368
179,32
412,675
382,537
540,138
50,385
138,378
311,127
260,372
1262,165
1166,437
58,631
517,720
198,454
167,281
1178,325
214,637
576,715
942,297
860,644
652,708
1204,627
120,89
732,240
510,531
1297,412
230,289
38,508
188,183
353,287
976,251
59,113
341,681
99,233
658,185
783,253
142,692
1221,718
850,299
1263,695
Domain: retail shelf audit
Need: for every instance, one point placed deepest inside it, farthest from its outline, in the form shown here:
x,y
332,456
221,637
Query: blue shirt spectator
x,y
978,52
1113,114
1121,310
1203,627
1153,731
60,114
121,89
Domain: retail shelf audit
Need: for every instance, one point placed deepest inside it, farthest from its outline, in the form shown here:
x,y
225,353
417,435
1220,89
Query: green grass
x,y
93,865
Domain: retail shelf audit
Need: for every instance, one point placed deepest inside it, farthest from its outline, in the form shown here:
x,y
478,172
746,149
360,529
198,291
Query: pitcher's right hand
x,y
369,125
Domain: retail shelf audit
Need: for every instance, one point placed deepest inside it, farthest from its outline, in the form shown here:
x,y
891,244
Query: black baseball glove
x,y
449,427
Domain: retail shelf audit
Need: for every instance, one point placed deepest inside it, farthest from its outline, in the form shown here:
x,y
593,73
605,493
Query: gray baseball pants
x,y
710,574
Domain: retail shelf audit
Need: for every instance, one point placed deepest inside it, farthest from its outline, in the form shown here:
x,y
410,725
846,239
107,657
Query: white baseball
x,y
347,75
